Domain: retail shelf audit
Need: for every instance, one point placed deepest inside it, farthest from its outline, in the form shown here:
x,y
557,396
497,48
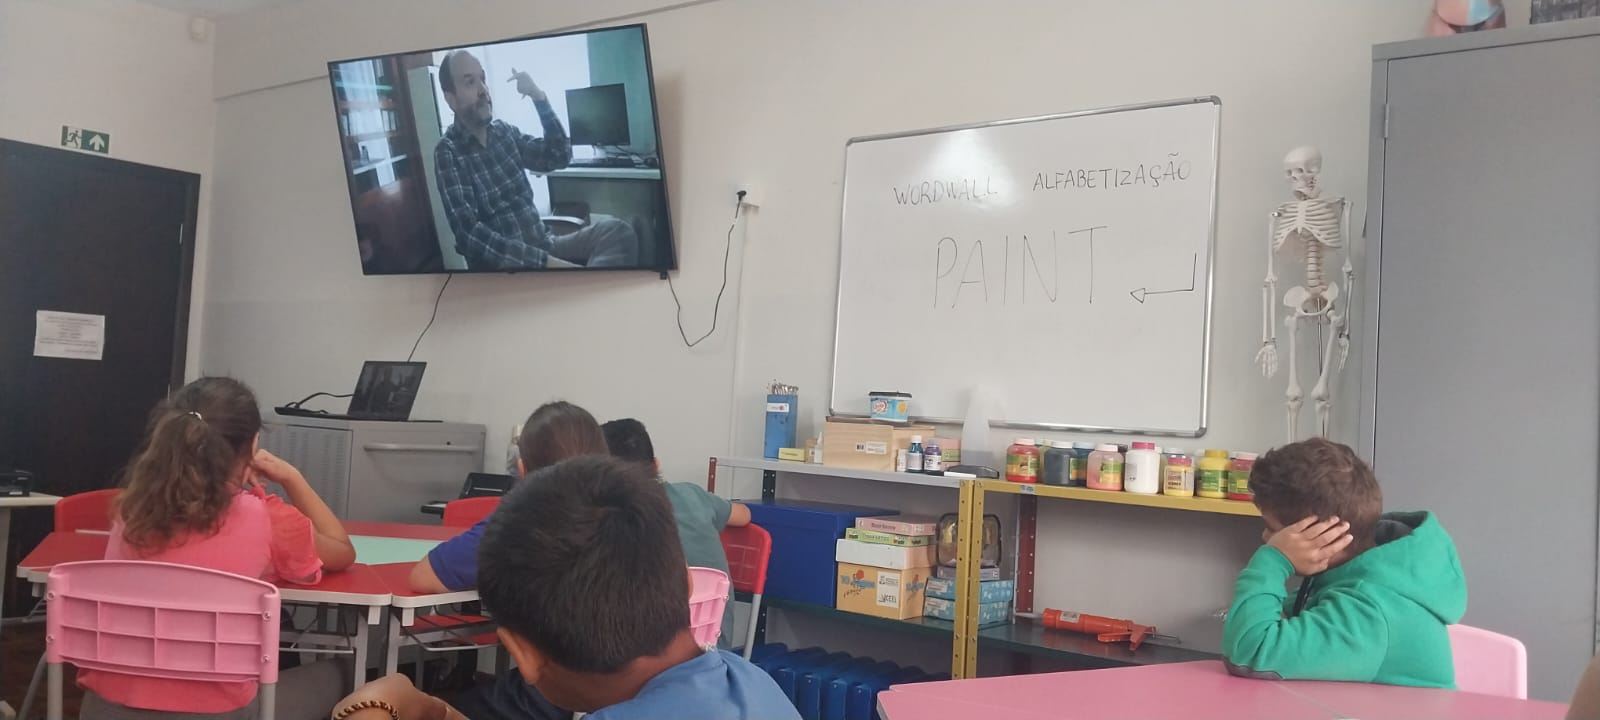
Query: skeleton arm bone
x,y
1267,356
1349,289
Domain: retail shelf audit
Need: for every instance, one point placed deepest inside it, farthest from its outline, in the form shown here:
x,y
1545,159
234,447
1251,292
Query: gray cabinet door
x,y
1486,406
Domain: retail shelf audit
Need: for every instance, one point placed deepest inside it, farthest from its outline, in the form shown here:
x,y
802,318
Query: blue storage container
x,y
835,695
803,537
862,700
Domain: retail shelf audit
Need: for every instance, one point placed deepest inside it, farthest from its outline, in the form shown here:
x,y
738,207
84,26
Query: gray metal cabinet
x,y
378,471
1481,376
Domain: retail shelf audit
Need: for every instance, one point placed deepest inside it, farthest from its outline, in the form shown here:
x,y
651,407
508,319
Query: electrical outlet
x,y
752,194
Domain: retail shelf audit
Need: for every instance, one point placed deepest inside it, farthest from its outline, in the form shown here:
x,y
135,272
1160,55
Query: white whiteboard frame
x,y
1211,252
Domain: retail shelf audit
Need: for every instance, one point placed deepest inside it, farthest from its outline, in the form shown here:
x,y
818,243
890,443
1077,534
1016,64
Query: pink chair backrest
x,y
466,512
85,511
708,595
161,620
749,549
1488,662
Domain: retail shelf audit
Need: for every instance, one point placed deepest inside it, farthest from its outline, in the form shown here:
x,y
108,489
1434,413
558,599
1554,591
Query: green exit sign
x,y
81,139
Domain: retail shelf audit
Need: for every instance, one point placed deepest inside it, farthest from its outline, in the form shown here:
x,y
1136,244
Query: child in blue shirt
x,y
582,568
556,431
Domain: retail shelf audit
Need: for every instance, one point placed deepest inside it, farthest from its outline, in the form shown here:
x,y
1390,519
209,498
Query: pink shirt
x,y
261,536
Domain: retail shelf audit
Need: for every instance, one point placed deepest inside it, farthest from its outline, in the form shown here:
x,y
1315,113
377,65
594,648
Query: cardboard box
x,y
984,575
865,445
881,592
989,614
883,538
901,524
988,592
883,556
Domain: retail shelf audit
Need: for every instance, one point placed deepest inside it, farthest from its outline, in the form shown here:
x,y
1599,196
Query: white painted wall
x,y
122,67
767,93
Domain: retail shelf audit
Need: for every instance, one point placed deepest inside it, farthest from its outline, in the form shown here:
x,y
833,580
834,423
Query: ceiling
x,y
216,8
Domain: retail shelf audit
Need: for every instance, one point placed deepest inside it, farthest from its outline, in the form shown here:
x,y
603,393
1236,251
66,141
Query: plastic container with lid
x,y
1239,476
914,455
1078,470
932,458
1022,461
1178,478
1056,463
1105,468
1143,470
1211,480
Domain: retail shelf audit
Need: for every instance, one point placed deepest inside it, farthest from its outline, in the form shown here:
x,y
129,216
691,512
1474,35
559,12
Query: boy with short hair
x,y
700,515
1379,588
582,569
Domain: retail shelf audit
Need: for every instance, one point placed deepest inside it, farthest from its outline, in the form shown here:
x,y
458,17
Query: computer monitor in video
x,y
598,115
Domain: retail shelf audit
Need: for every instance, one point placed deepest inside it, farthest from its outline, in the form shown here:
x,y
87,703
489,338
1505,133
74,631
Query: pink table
x,y
1193,691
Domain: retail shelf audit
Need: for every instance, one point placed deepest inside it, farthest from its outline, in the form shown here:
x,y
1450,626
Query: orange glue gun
x,y
1104,629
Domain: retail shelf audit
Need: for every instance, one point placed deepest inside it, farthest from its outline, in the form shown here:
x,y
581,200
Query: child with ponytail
x,y
194,494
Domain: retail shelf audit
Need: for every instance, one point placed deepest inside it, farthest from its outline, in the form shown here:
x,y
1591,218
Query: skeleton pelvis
x,y
1311,303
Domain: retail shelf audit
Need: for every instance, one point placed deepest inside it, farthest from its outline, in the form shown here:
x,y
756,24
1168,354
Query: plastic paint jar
x,y
1212,481
1178,480
1078,469
1105,468
1143,473
1057,464
1022,461
1239,476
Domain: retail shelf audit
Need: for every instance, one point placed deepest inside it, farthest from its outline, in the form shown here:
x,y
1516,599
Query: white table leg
x,y
391,646
363,632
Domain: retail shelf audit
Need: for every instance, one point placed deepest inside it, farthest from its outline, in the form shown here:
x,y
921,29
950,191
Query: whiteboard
x,y
1064,262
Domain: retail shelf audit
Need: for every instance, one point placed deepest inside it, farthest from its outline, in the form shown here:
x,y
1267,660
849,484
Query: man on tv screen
x,y
479,166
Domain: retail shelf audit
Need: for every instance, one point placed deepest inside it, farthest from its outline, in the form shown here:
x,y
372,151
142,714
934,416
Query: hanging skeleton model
x,y
1312,229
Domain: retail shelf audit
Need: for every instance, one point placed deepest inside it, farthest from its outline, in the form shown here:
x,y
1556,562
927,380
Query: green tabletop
x,y
382,550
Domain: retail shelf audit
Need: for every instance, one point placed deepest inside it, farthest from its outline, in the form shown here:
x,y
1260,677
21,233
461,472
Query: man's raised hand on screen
x,y
526,85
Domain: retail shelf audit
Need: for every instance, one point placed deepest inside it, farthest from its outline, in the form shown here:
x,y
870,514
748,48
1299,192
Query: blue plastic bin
x,y
803,537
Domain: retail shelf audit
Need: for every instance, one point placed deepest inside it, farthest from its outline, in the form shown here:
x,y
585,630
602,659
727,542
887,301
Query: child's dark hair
x,y
628,440
1321,478
557,431
583,561
177,481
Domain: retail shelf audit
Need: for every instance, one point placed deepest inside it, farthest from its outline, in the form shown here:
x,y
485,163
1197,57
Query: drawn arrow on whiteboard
x,y
1194,268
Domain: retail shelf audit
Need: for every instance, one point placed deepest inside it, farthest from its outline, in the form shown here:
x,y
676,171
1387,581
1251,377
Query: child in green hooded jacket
x,y
1378,588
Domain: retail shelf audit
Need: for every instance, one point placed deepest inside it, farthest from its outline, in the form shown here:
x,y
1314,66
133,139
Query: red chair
x,y
749,549
466,512
85,511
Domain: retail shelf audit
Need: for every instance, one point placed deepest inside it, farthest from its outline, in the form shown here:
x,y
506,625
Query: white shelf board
x,y
800,468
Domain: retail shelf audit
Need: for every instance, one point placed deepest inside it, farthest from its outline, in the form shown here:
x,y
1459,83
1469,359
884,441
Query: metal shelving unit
x,y
1022,636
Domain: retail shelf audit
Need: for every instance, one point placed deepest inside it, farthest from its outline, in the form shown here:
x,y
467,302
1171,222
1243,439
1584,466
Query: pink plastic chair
x,y
129,617
708,595
1488,662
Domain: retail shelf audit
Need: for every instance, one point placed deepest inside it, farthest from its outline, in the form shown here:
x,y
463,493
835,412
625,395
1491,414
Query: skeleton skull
x,y
1301,167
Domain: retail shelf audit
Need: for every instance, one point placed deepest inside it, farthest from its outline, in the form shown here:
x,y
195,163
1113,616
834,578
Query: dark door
x,y
92,235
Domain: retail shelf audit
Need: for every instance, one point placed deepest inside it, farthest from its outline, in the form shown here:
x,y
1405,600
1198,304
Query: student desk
x,y
1193,691
369,590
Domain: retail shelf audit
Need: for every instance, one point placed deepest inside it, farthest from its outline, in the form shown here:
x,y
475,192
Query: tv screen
x,y
531,154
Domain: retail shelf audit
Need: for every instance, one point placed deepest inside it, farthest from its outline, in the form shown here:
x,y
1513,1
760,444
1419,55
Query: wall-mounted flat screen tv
x,y
538,153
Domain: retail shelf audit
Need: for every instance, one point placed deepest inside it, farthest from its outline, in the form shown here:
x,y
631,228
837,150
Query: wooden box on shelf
x,y
861,444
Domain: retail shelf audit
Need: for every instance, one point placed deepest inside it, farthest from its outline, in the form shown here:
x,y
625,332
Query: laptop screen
x,y
386,390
